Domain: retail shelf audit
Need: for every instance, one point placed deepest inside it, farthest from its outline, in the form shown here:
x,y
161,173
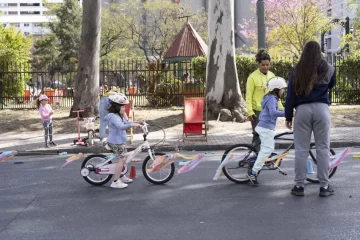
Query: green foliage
x,y
147,28
116,40
347,74
15,49
348,80
290,25
353,39
198,66
167,89
62,44
245,66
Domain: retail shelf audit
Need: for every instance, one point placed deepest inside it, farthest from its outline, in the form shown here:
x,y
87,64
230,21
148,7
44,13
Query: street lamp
x,y
260,11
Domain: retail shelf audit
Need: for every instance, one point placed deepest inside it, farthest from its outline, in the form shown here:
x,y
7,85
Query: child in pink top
x,y
46,113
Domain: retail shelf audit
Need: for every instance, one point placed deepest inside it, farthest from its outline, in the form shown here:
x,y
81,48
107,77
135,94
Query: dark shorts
x,y
118,149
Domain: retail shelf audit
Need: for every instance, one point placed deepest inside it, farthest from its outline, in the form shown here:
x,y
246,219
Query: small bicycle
x,y
98,169
236,170
91,130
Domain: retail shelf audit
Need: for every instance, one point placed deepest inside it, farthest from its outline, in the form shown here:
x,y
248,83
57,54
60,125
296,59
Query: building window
x,y
329,12
26,33
4,24
328,43
12,13
29,12
26,24
37,25
29,4
12,4
15,24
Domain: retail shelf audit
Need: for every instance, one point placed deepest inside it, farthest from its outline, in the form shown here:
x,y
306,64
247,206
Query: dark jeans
x,y
256,139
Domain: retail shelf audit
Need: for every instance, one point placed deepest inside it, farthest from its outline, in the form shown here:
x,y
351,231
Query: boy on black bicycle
x,y
267,123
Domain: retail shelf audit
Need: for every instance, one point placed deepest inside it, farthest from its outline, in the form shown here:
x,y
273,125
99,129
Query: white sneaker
x,y
118,184
125,179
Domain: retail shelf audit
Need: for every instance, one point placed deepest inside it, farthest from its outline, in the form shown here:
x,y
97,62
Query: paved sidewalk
x,y
27,144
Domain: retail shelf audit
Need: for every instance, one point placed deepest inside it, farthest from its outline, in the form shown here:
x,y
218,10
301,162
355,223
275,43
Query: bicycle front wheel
x,y
236,170
311,176
158,177
88,170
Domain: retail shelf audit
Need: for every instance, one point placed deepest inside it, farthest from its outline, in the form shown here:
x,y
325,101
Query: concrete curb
x,y
101,149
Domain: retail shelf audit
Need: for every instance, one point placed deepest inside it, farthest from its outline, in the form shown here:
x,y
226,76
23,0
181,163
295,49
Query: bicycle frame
x,y
102,168
278,157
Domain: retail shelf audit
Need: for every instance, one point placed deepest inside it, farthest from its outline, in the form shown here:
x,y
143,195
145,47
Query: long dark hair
x,y
262,54
306,71
275,92
115,108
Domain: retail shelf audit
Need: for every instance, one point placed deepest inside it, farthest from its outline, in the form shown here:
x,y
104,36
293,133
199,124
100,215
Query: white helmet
x,y
119,98
276,82
43,97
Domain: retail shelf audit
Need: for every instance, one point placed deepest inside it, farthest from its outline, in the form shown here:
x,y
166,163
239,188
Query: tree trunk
x,y
86,95
222,84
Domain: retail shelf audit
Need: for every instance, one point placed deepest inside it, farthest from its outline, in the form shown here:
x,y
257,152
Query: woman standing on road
x,y
255,91
103,111
308,89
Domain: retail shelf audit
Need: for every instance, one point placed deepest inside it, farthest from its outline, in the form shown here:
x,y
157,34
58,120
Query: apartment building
x,y
338,11
25,15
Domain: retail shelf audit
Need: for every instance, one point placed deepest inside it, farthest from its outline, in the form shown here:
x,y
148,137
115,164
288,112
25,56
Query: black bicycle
x,y
236,170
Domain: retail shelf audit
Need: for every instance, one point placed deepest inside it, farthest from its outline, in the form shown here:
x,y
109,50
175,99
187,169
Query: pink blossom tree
x,y
290,24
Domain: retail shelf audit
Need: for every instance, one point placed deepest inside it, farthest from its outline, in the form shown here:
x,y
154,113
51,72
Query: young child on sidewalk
x,y
46,113
118,125
267,123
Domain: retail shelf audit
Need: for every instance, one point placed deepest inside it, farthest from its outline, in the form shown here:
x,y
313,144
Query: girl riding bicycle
x,y
267,123
118,125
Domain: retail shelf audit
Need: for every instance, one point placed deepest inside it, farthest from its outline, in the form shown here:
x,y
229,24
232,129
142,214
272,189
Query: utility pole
x,y
260,11
347,31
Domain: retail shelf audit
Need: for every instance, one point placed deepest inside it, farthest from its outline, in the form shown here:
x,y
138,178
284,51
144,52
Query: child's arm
x,y
120,124
273,111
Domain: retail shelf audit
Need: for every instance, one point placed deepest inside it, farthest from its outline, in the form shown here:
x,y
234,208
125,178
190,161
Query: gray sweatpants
x,y
312,117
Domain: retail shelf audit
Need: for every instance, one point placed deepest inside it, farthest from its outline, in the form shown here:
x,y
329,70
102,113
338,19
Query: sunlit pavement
x,y
40,201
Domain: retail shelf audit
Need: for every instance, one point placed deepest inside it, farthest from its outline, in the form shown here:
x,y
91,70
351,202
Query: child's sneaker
x,y
52,143
297,191
325,192
118,184
252,177
125,179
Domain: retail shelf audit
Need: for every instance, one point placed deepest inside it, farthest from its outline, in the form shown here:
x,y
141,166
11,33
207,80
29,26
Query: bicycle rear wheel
x,y
158,177
236,170
312,177
88,170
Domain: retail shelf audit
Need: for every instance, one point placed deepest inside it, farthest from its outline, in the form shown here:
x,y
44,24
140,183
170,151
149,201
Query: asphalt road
x,y
40,201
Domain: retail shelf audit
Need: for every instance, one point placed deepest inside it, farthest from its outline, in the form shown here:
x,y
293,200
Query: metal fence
x,y
148,84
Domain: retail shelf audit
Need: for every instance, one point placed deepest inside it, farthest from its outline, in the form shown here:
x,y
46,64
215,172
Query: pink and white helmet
x,y
119,98
43,97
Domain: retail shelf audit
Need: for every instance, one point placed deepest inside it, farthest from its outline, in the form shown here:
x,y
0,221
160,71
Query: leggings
x,y
48,128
